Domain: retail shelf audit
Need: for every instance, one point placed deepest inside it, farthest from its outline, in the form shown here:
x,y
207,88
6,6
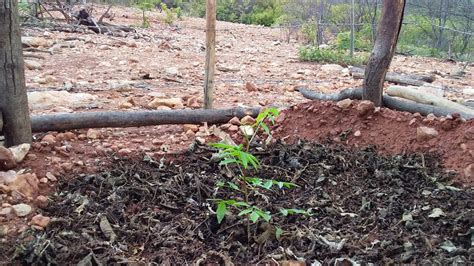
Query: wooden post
x,y
352,29
384,49
13,97
210,53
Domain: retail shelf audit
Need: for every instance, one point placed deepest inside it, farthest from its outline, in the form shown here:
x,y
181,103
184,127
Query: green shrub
x,y
340,57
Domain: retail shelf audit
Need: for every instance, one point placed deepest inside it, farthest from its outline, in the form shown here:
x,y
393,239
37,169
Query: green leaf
x,y
279,184
240,204
278,232
228,161
244,212
220,183
268,184
233,186
284,212
221,211
254,217
265,215
265,128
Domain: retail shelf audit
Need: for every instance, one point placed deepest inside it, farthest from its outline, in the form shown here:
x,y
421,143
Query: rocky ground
x,y
163,68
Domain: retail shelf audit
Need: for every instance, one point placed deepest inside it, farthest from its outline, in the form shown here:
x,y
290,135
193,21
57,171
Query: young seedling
x,y
244,162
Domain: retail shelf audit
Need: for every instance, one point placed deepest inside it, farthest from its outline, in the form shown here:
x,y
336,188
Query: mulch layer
x,y
366,207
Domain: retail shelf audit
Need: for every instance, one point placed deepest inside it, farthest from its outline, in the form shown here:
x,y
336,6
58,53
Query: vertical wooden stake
x,y
13,97
210,53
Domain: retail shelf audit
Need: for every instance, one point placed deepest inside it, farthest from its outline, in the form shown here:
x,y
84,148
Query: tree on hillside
x,y
13,100
383,51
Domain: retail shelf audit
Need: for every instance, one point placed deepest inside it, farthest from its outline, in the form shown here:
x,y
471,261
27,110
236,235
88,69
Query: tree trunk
x,y
384,49
13,99
210,53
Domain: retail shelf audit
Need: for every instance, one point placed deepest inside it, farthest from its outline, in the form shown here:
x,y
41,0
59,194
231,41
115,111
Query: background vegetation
x,y
439,28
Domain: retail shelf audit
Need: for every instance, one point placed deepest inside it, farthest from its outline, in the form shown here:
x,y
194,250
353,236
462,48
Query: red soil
x,y
390,131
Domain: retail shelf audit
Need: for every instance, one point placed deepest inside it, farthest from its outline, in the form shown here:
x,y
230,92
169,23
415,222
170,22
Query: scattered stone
x,y
7,211
187,127
436,213
357,133
469,171
124,152
426,133
194,102
22,209
365,107
190,134
125,105
25,184
93,133
48,99
235,121
51,177
172,71
3,230
20,151
233,128
29,41
7,160
42,201
469,91
228,68
32,64
247,130
331,69
344,104
40,220
201,140
49,139
174,103
247,120
249,86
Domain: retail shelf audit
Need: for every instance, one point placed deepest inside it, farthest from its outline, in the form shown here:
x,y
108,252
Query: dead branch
x,y
103,15
412,79
388,101
68,121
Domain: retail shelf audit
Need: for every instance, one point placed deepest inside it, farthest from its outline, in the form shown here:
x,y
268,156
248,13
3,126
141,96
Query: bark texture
x,y
210,53
67,121
13,100
384,49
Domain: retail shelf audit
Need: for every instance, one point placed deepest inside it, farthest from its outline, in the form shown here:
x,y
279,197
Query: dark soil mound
x,y
367,208
390,131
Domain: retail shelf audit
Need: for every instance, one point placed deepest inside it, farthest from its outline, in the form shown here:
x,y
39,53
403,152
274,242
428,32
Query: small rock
x,y
247,130
40,220
344,104
51,177
132,44
43,180
469,171
22,209
174,103
49,139
365,107
7,160
233,128
201,140
190,134
225,126
124,152
247,120
357,133
93,133
42,201
426,133
32,64
3,230
235,121
413,121
332,69
187,127
436,213
19,152
431,117
249,86
125,105
194,102
157,141
172,71
7,211
468,91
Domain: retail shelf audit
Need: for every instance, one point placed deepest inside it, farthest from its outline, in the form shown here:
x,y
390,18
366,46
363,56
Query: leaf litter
x,y
365,207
